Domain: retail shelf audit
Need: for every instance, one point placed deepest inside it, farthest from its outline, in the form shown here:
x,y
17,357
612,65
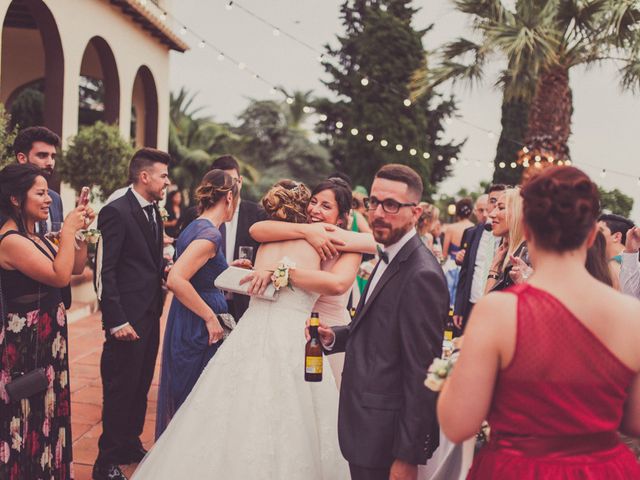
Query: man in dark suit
x,y
129,285
387,422
39,146
236,232
477,257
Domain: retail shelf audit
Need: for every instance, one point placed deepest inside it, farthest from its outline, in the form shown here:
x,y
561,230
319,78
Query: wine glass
x,y
245,253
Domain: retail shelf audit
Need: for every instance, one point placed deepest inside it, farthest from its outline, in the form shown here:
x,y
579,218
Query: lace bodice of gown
x,y
562,380
296,301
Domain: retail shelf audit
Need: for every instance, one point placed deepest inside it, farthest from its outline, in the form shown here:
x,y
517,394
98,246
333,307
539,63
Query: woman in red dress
x,y
552,365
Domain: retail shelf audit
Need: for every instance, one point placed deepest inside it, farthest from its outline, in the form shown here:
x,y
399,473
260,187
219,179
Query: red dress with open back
x,y
557,406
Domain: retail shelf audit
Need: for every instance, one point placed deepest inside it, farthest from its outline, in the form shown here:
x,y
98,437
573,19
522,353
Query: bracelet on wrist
x,y
493,276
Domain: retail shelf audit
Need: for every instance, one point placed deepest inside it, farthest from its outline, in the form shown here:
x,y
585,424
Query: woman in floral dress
x,y
35,432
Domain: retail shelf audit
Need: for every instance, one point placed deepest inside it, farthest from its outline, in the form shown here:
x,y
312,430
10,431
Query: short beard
x,y
394,236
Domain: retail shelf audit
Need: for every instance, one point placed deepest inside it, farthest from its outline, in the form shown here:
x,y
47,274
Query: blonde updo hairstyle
x,y
214,187
287,201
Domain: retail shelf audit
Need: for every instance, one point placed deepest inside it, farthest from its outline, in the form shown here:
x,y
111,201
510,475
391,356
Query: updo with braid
x,y
560,207
214,187
287,201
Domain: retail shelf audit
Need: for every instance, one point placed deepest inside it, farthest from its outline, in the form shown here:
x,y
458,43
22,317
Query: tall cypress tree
x,y
370,73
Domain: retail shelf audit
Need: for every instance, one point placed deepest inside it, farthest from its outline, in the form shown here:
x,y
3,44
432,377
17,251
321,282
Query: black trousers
x,y
364,473
127,369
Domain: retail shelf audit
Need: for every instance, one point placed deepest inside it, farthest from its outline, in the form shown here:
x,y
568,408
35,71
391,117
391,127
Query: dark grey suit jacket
x,y
386,412
130,264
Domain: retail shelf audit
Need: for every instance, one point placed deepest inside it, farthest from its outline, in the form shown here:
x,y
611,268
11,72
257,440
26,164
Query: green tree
x,y
369,73
7,136
614,201
278,148
195,141
541,41
96,157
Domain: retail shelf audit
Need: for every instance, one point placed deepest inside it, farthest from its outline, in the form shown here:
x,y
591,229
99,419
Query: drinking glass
x,y
53,235
245,253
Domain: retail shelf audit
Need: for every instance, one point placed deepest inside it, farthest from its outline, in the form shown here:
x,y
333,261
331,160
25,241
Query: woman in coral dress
x,y
553,365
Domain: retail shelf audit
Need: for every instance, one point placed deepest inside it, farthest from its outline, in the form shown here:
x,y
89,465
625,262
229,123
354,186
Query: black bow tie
x,y
384,256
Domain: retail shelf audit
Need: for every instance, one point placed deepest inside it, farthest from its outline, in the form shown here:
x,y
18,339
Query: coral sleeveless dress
x,y
557,406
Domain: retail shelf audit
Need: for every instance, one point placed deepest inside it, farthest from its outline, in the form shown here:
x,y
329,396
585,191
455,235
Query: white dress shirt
x,y
391,251
630,274
143,203
484,257
231,228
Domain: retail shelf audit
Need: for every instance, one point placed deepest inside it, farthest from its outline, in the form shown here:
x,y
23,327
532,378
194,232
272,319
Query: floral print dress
x,y
35,433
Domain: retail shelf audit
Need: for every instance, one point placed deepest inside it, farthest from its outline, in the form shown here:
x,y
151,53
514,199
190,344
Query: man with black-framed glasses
x,y
387,422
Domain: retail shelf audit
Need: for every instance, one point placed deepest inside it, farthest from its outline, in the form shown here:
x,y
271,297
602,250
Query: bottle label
x,y
314,322
313,365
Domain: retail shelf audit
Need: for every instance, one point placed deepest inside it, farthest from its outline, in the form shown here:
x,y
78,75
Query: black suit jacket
x,y
386,412
248,214
471,237
129,264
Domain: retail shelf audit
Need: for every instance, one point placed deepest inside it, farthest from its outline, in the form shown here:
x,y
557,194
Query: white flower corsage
x,y
439,370
164,215
280,276
91,236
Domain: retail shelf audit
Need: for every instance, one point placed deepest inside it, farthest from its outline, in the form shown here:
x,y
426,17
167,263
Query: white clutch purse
x,y
229,281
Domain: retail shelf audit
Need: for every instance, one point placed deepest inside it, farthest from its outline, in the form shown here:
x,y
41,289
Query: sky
x,y
606,121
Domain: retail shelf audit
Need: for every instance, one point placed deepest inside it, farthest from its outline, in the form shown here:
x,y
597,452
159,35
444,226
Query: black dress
x,y
35,433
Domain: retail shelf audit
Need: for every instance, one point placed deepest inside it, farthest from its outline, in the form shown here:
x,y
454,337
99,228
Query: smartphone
x,y
84,196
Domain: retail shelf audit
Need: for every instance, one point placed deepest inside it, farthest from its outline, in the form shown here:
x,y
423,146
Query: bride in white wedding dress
x,y
251,415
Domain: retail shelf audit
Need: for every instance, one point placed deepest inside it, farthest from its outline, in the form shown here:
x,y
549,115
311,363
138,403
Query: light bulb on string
x,y
603,173
383,143
242,66
369,137
440,158
551,159
183,31
321,57
448,121
364,82
399,147
525,150
306,109
256,76
453,160
289,101
491,135
525,164
413,152
229,5
383,7
339,124
354,131
163,17
426,155
560,163
407,102
567,162
513,165
220,57
202,44
490,164
276,32
323,117
502,165
538,158
272,91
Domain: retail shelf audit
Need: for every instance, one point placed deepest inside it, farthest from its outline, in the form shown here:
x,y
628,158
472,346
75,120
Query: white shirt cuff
x,y
330,346
119,327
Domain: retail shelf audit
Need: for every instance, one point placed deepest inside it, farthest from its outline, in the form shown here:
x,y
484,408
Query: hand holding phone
x,y
84,197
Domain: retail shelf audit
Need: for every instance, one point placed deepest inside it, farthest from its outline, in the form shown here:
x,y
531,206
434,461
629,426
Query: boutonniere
x,y
280,276
164,215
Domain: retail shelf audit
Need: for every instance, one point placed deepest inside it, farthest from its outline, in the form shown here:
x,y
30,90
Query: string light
x,y
221,58
229,5
364,82
339,124
306,109
369,137
202,44
407,102
354,131
276,32
289,101
163,17
384,143
453,160
323,117
399,147
603,173
413,152
426,155
513,165
502,164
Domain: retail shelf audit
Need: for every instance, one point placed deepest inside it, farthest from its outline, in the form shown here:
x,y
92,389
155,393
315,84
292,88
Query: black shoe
x,y
135,455
107,472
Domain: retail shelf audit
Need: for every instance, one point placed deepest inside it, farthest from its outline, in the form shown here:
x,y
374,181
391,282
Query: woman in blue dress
x,y
193,331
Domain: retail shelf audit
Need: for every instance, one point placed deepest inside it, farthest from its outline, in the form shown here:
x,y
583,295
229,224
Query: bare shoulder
x,y
496,311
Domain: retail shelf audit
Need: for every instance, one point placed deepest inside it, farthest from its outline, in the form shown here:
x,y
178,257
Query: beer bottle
x,y
447,342
313,352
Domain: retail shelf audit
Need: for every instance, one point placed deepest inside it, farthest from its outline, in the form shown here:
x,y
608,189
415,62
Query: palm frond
x,y
630,75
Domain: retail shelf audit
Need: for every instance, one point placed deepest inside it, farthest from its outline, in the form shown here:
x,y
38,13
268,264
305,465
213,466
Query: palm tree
x,y
195,141
541,41
297,107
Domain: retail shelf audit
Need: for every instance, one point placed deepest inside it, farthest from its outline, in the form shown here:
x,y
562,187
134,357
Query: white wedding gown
x,y
251,415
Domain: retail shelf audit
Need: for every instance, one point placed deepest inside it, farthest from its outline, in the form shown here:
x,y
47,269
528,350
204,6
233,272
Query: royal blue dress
x,y
186,350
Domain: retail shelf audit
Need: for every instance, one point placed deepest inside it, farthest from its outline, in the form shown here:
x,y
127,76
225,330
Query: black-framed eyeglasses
x,y
389,205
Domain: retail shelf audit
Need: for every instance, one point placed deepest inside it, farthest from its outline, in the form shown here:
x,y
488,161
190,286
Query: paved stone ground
x,y
85,347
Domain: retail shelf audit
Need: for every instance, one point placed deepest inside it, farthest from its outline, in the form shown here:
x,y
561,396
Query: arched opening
x,y
32,78
99,84
144,101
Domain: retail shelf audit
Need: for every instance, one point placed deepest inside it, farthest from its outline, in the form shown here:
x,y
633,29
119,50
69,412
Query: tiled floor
x,y
85,347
